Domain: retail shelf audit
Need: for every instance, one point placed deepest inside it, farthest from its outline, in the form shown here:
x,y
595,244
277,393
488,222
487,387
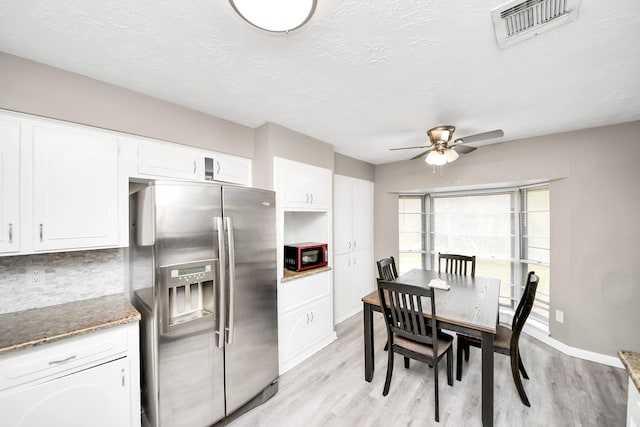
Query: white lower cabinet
x,y
633,405
89,380
91,397
353,279
303,329
305,324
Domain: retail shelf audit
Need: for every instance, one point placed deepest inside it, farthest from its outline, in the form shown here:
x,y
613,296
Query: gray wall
x,y
595,200
33,88
272,140
348,166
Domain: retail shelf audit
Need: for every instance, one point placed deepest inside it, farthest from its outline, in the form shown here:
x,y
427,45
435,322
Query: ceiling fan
x,y
442,150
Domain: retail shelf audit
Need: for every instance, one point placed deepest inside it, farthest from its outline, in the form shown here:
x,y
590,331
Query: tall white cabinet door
x,y
362,214
9,186
343,283
342,214
75,189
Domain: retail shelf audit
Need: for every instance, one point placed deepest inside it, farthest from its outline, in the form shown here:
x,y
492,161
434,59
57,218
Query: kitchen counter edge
x,y
631,361
29,328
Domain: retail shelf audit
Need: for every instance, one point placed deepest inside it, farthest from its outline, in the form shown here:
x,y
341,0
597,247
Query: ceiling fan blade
x,y
408,148
482,136
464,149
424,153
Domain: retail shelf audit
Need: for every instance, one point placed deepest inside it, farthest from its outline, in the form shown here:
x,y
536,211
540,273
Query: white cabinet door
x,y
75,189
303,185
93,397
9,186
342,214
304,327
365,281
236,170
362,214
163,159
343,287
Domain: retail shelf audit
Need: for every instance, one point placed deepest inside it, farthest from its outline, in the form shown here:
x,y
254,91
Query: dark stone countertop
x,y
631,361
29,328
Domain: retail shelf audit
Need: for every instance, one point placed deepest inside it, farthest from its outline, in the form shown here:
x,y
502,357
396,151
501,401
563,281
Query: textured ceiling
x,y
364,76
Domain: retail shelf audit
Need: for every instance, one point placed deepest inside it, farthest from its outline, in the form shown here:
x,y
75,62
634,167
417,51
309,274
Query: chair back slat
x,y
387,269
457,264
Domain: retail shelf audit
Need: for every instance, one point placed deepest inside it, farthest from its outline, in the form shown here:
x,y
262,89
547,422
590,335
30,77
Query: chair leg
x,y
406,362
521,366
466,351
459,351
437,395
387,382
516,377
450,366
386,346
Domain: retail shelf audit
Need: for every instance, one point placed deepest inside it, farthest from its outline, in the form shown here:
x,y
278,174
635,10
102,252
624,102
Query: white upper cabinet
x,y
163,159
353,214
226,168
75,189
9,186
303,186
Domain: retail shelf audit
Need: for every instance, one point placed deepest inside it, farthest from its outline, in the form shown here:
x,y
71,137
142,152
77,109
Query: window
x,y
507,230
412,227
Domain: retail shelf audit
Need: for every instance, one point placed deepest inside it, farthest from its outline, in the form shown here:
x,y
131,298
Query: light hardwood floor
x,y
329,389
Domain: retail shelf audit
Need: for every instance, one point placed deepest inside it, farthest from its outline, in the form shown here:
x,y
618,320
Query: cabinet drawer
x,y
58,358
298,292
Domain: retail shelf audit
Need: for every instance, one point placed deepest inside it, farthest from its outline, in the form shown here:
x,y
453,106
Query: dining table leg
x,y
487,378
368,342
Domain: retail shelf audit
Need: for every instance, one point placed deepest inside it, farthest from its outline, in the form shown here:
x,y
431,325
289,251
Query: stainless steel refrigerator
x,y
203,274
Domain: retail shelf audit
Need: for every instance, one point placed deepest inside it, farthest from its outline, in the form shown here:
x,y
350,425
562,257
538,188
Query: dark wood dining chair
x,y
387,269
457,264
410,334
507,339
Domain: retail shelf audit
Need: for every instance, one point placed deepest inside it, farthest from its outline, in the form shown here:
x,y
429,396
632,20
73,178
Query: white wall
x,y
595,237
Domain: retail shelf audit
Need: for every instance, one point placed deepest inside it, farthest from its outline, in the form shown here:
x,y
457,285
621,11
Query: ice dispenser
x,y
187,294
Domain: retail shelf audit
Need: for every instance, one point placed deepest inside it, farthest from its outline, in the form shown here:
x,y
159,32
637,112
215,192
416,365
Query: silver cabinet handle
x,y
354,244
312,316
58,362
232,278
222,282
195,167
349,244
311,198
307,194
218,167
122,376
307,318
41,232
355,261
10,233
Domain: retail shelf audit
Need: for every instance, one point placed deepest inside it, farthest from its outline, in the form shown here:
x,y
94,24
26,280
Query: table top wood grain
x,y
471,302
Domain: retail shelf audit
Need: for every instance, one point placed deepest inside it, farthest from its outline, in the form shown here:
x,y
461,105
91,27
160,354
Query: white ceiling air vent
x,y
519,20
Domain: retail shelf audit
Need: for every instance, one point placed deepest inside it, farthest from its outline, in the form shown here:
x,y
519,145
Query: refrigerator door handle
x,y
232,278
222,282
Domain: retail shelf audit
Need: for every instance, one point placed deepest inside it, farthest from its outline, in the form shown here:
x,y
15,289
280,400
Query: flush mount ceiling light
x,y
278,16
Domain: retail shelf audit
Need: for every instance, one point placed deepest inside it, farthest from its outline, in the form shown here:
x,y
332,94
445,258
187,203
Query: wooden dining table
x,y
470,307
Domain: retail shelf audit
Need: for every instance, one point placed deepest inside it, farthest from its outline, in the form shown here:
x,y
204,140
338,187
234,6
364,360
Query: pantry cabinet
x,y
353,236
9,186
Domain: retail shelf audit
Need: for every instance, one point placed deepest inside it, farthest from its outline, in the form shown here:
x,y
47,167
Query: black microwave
x,y
305,256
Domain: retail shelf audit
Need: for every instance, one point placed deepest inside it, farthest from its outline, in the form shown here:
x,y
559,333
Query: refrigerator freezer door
x,y
252,356
190,364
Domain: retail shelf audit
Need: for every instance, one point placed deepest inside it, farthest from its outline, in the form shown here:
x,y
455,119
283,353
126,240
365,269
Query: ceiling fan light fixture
x,y
436,158
279,16
451,154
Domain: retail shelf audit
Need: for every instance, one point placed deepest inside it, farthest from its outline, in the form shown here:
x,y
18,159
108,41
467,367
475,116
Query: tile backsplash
x,y
69,276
